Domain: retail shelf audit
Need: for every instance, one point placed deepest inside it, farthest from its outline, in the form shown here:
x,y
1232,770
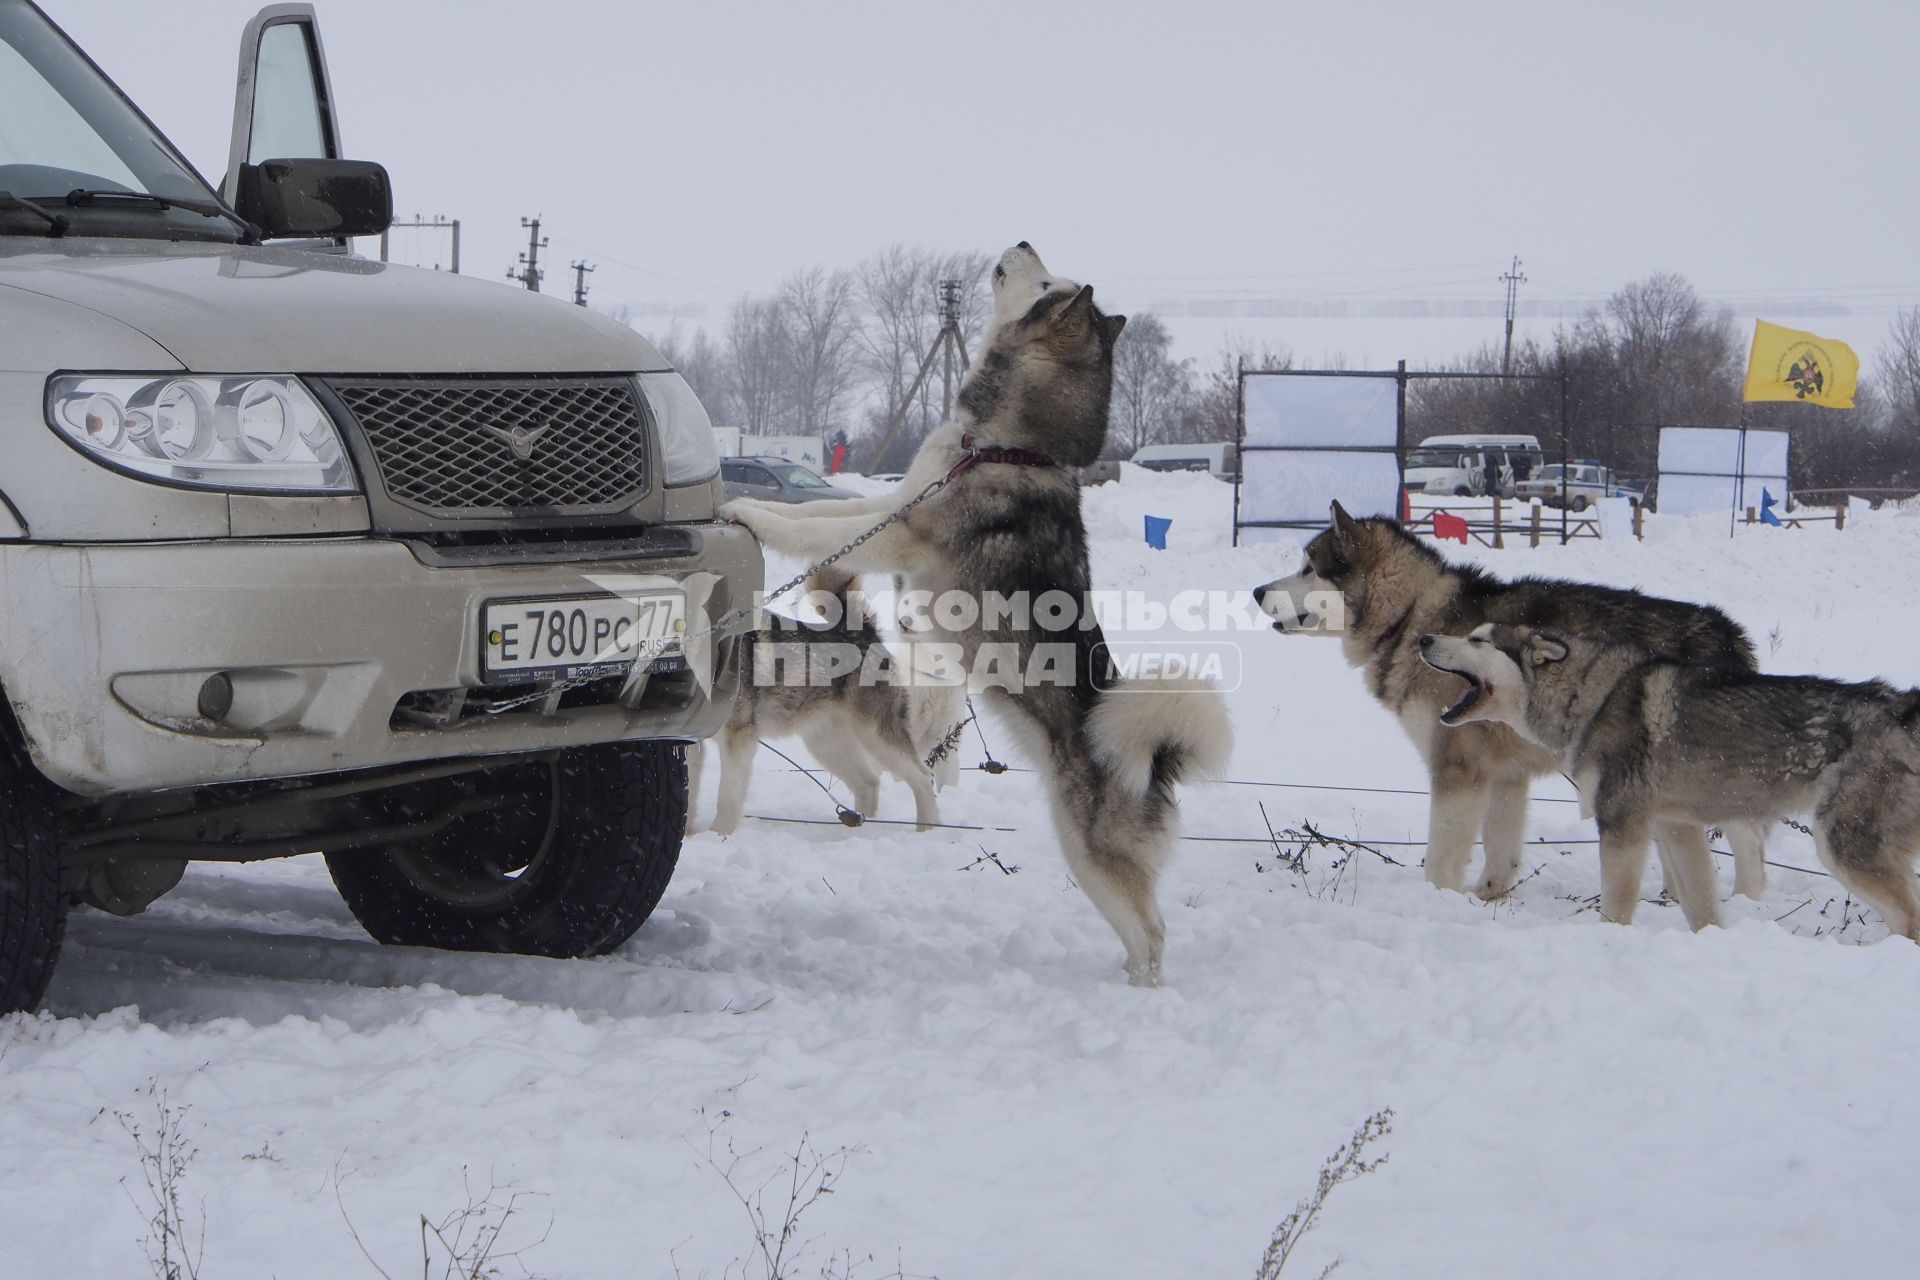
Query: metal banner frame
x,y
1402,377
1739,475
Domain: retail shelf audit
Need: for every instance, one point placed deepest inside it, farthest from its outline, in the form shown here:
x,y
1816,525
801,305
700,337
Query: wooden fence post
x,y
1498,543
1840,514
1750,516
1533,531
1639,521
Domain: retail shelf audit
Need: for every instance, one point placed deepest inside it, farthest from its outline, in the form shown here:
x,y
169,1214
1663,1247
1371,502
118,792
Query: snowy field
x,y
1571,1098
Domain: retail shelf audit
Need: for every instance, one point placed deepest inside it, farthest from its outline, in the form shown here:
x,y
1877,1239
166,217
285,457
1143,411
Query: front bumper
x,y
104,649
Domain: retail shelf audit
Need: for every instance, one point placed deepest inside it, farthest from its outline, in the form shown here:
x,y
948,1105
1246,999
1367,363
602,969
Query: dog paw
x,y
1492,888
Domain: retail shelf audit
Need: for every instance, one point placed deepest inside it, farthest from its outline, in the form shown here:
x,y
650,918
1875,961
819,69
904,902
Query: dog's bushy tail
x,y
1150,734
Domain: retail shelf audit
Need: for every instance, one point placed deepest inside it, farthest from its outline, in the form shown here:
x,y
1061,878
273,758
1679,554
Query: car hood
x,y
222,308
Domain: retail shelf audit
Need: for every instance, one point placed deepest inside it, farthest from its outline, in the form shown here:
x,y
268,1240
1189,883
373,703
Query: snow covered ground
x,y
1570,1098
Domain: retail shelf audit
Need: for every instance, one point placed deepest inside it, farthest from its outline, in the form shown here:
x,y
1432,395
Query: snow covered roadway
x,y
1571,1098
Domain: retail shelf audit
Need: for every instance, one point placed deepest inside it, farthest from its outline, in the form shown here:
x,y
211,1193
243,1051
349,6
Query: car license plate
x,y
526,639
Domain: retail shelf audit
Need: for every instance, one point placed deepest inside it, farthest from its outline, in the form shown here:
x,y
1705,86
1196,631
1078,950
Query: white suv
x,y
305,553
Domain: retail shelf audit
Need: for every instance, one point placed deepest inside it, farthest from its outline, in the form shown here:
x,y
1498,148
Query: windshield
x,y
1434,458
1552,472
64,128
792,473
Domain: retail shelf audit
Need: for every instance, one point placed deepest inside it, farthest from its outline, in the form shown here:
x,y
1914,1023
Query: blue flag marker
x,y
1157,531
1767,503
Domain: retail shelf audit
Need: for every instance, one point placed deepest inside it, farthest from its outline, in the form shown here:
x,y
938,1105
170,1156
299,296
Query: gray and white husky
x,y
1651,741
1007,526
837,687
1378,588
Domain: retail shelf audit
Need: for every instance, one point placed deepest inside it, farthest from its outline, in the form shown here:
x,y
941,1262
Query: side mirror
x,y
315,199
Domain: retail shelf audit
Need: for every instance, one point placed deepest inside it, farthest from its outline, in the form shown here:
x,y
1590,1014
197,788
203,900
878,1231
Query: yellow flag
x,y
1786,364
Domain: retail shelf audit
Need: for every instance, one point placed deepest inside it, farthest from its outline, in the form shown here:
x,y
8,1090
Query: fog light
x,y
216,696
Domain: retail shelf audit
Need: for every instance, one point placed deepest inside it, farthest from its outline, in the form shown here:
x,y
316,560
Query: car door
x,y
749,480
283,100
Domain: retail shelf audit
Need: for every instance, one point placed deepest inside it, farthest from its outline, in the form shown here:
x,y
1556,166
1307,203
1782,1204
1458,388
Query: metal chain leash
x,y
651,649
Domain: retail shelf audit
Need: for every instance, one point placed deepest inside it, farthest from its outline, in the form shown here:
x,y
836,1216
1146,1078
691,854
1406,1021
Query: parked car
x,y
1456,466
305,553
1585,482
777,480
1221,461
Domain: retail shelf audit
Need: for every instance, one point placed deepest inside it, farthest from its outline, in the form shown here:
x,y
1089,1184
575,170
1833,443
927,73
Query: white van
x,y
1221,461
1456,466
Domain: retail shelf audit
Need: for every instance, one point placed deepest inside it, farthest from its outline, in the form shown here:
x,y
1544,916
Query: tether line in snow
x,y
885,822
1313,786
845,817
1536,843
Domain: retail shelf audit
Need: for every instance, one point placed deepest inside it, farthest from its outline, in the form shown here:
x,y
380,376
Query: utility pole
x,y
580,270
948,346
949,320
1514,280
529,272
437,224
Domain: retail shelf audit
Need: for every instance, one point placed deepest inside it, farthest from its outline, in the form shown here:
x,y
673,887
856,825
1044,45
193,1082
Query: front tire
x,y
1580,502
33,881
565,856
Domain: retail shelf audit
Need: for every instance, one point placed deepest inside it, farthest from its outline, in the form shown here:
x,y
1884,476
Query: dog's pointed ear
x,y
1544,647
1079,307
1345,528
1114,325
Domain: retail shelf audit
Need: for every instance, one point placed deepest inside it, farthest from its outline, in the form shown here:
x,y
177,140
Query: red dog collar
x,y
977,454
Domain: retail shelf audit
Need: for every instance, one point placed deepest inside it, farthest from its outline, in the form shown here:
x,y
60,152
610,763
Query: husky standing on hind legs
x,y
1005,532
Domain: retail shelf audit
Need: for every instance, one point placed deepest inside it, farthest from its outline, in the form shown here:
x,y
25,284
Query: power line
x,y
438,223
604,257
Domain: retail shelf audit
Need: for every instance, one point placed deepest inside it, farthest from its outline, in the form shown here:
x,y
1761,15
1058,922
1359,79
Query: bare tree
x,y
822,324
757,365
901,318
703,364
1674,361
900,288
1900,370
1212,412
1150,387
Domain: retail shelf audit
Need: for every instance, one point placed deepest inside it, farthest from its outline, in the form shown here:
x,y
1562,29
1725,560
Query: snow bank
x,y
1572,1098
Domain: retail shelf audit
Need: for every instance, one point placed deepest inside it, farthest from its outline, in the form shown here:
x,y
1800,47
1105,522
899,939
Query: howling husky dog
x,y
1007,528
1391,588
1651,741
836,687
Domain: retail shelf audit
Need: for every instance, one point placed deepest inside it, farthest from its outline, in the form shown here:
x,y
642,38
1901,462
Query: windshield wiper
x,y
57,223
83,197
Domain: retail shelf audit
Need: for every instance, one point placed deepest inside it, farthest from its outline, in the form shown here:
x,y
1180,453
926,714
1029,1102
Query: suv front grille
x,y
494,447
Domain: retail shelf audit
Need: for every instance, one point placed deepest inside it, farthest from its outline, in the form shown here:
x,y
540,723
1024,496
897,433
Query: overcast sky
x,y
1180,156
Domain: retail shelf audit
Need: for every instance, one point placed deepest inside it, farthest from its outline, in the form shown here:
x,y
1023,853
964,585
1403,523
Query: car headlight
x,y
243,432
686,433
